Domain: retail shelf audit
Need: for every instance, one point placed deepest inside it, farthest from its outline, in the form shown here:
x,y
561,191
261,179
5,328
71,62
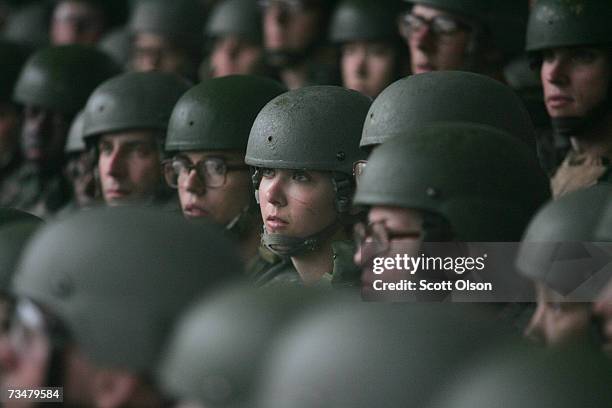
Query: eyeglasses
x,y
374,239
211,171
439,25
358,168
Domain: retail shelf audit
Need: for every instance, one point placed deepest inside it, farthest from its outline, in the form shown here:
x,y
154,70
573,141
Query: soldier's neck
x,y
312,266
596,140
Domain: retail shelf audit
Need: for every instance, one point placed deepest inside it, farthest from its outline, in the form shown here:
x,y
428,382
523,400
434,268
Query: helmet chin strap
x,y
240,225
286,246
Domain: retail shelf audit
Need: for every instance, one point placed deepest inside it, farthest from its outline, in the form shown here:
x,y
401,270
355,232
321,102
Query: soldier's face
x,y
368,67
233,55
389,231
80,173
9,128
153,52
43,136
290,26
76,22
129,166
575,80
296,203
221,204
555,321
436,52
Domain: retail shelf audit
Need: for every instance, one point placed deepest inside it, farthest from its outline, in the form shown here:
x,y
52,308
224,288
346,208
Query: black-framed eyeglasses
x,y
440,25
211,171
374,239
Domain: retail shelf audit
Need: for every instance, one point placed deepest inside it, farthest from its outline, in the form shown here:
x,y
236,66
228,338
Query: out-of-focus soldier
x,y
561,254
29,24
570,42
16,228
372,355
564,379
234,30
98,308
372,52
125,120
79,169
52,87
295,34
84,21
13,56
449,182
216,354
471,35
167,36
207,139
302,146
603,310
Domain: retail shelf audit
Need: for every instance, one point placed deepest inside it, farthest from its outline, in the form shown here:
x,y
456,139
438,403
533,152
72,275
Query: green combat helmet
x,y
119,290
482,181
236,17
13,56
134,100
75,142
13,238
560,232
181,21
117,44
218,113
363,355
216,353
62,77
406,105
301,129
515,377
569,23
363,20
10,215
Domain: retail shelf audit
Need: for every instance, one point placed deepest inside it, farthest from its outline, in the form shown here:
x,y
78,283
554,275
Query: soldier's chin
x,y
34,154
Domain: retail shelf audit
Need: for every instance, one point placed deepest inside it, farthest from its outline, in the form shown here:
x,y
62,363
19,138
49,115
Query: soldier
x,y
603,310
16,228
234,29
208,132
568,379
302,146
53,86
550,255
79,169
126,119
294,38
13,56
94,311
167,36
217,351
372,53
571,44
472,35
449,182
83,21
364,356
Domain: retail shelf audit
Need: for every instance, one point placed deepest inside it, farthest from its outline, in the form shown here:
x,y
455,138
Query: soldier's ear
x,y
114,388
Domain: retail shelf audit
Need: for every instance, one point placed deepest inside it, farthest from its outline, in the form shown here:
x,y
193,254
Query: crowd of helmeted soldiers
x,y
195,195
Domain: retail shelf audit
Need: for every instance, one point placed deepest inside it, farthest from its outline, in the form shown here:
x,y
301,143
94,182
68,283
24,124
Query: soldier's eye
x,y
105,148
300,175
